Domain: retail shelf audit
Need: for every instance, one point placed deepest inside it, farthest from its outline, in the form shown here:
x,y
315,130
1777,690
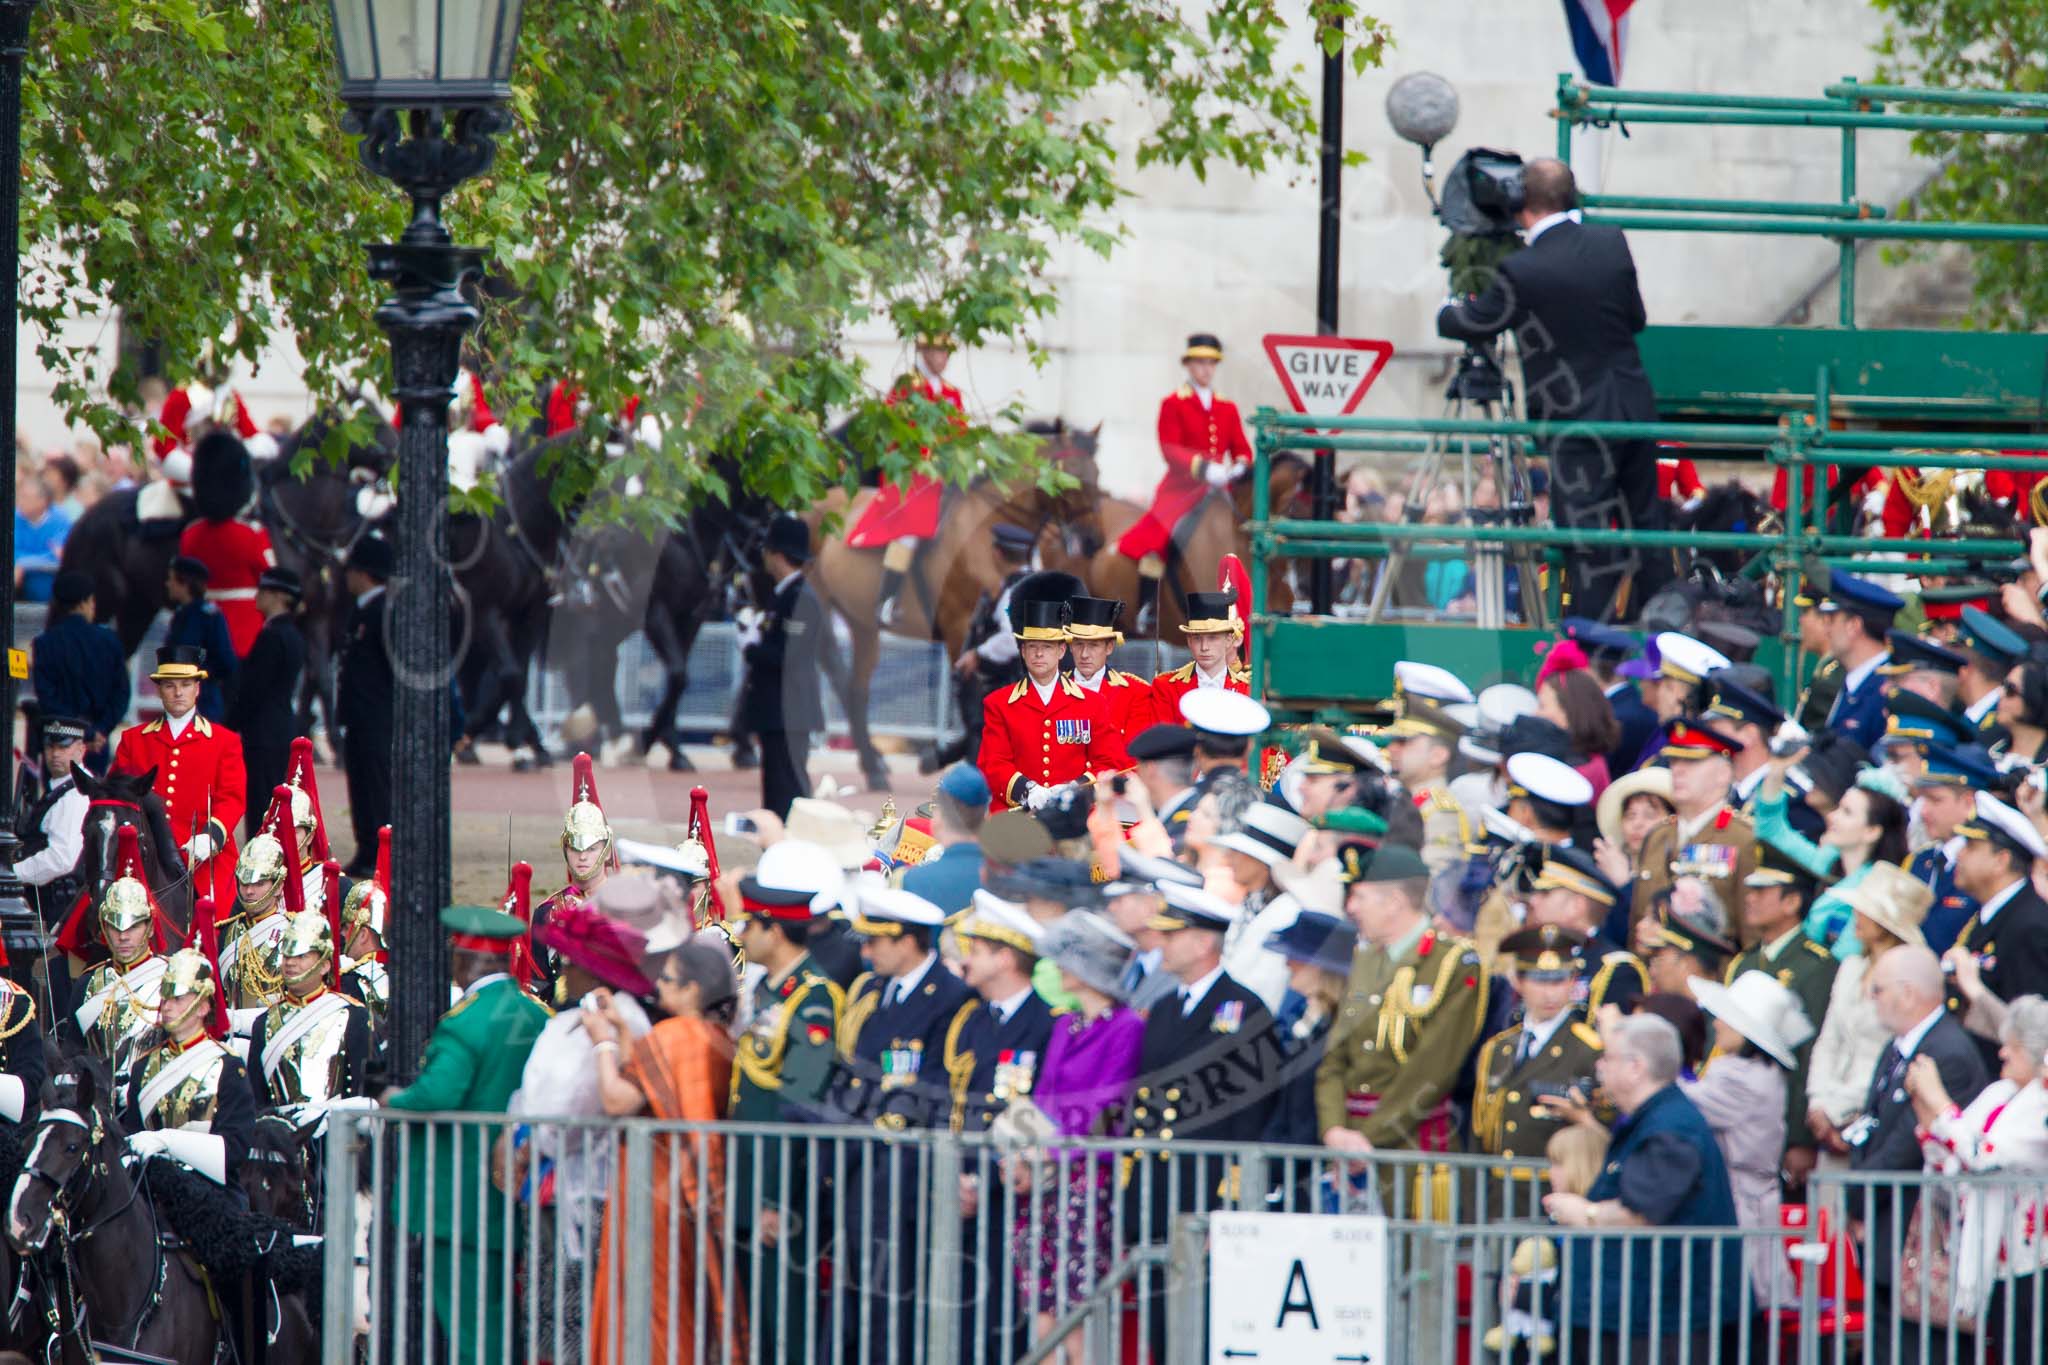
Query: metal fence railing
x,y
476,1238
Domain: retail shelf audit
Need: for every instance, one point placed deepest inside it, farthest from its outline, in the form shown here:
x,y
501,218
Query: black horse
x,y
276,1174
97,1236
130,799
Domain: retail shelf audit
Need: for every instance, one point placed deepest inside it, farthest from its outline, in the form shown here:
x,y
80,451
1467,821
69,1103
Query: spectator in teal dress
x,y
1866,825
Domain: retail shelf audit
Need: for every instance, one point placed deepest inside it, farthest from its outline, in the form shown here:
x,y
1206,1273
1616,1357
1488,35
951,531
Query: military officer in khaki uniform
x,y
1705,838
1776,897
1410,1015
1551,1050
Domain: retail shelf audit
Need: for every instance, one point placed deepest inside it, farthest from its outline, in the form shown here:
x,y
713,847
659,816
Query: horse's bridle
x,y
95,1166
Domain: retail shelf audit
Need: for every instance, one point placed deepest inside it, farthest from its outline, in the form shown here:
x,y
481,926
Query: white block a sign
x,y
1327,376
1294,1290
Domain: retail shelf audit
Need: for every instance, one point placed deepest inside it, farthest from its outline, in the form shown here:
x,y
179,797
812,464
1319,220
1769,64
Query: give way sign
x,y
1326,376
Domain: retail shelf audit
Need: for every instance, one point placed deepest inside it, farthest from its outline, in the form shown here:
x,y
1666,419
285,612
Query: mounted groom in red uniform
x,y
900,519
1202,440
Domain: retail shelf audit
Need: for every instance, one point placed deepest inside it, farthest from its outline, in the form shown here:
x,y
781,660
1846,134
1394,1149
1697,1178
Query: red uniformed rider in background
x,y
899,518
1202,440
234,548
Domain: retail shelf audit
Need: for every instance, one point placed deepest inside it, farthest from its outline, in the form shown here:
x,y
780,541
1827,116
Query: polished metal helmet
x,y
125,905
187,972
365,904
262,860
306,932
302,809
585,826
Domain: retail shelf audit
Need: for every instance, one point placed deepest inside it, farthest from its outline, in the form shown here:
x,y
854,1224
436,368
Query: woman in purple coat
x,y
1061,1244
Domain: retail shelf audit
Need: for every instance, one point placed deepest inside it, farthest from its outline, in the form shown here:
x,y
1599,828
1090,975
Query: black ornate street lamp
x,y
17,922
426,87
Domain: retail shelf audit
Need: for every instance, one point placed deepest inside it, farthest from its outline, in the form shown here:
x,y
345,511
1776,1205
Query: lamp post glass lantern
x,y
425,83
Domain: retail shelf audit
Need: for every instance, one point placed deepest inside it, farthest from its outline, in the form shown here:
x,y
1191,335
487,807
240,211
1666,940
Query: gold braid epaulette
x,y
859,1009
2037,502
1923,491
1609,965
959,1065
1398,1007
8,1028
762,1065
1489,1103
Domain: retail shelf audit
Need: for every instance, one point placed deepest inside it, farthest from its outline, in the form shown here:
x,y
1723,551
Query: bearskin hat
x,y
222,478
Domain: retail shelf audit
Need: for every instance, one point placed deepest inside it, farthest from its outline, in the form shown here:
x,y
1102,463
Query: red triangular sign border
x,y
1383,351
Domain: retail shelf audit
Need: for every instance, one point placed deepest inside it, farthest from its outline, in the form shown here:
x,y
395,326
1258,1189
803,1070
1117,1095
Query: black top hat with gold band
x,y
1545,952
1209,613
1203,346
1094,618
179,663
1039,620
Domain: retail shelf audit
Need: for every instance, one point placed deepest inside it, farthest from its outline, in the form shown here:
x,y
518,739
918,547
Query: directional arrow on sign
x,y
1327,376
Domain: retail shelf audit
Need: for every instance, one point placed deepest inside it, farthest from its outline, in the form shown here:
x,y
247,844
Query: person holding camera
x,y
1571,299
1547,1055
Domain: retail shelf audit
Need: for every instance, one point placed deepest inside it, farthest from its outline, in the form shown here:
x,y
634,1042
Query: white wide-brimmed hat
x,y
1760,1008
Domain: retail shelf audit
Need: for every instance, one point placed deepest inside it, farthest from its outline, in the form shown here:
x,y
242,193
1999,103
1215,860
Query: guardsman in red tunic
x,y
899,517
1126,697
1212,631
199,772
1202,440
1678,481
235,550
1047,730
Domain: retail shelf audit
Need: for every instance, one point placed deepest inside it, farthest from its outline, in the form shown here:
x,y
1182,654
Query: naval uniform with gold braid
x,y
904,1063
314,1049
781,1066
21,1041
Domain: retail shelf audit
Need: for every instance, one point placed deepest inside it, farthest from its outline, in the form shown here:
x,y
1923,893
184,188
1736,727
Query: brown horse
x,y
1214,529
952,571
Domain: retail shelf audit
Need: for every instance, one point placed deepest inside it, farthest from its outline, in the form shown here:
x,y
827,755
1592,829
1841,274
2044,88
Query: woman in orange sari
x,y
679,1071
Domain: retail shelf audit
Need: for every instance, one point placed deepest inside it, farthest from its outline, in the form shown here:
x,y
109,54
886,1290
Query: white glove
x,y
749,620
242,1022
1036,796
203,1152
1218,473
200,847
147,1143
13,1098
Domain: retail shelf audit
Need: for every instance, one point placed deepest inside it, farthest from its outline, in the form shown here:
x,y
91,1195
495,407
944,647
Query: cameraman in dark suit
x,y
782,703
1570,297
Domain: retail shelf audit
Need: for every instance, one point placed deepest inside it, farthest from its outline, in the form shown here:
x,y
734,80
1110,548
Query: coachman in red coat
x,y
1126,697
898,517
1046,731
1202,440
1212,629
199,772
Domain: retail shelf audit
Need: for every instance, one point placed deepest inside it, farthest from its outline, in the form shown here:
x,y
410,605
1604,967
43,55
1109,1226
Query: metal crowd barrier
x,y
635,1240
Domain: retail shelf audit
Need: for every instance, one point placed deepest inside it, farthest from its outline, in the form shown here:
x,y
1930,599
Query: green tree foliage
x,y
1984,177
697,202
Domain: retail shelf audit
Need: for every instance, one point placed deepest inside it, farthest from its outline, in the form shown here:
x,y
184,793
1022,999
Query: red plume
x,y
331,885
1232,578
384,864
700,830
518,902
294,875
583,787
128,863
300,774
207,939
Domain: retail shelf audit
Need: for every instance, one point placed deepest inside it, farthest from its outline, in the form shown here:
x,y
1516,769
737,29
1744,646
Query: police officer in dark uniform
x,y
988,657
52,829
915,1043
1990,650
264,711
781,701
365,698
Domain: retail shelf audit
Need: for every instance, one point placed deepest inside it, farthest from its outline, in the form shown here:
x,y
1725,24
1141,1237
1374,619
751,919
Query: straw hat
x,y
1761,1009
1892,897
833,828
1655,781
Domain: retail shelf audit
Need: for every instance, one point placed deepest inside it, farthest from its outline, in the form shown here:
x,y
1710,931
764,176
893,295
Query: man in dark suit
x,y
365,698
781,701
1570,297
78,668
1209,1070
1906,987
263,712
2008,936
197,622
